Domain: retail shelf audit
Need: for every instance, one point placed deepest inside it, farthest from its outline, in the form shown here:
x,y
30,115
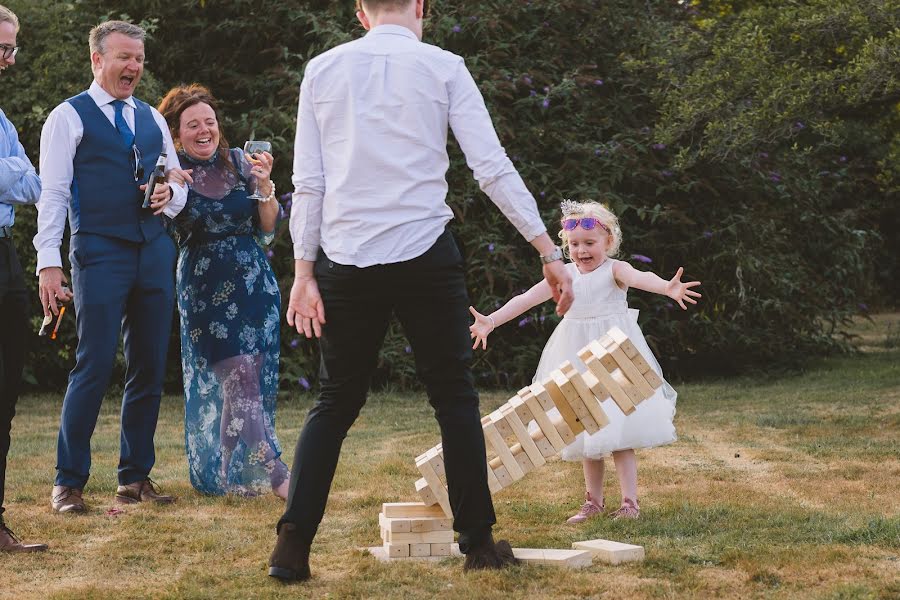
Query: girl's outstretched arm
x,y
484,325
675,289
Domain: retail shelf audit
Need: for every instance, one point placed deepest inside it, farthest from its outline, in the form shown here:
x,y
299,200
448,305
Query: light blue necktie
x,y
122,125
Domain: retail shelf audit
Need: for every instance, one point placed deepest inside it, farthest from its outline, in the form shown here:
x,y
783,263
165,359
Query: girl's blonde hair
x,y
576,210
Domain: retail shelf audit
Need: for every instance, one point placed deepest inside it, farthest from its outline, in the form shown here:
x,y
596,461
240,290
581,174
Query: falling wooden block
x,y
503,476
437,487
551,433
619,396
494,484
396,550
522,411
425,492
629,368
588,398
611,552
627,386
522,458
496,442
571,559
540,440
521,434
573,398
499,420
416,550
436,458
539,392
565,433
410,510
553,385
595,386
624,343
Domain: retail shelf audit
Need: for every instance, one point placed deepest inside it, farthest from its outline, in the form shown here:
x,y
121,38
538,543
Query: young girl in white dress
x,y
591,237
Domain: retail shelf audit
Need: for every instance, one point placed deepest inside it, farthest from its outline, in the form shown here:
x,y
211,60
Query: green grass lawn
x,y
778,488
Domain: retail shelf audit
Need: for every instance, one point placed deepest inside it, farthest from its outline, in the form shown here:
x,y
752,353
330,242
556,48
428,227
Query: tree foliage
x,y
755,142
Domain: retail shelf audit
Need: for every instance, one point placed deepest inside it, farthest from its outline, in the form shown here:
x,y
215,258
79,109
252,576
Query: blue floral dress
x,y
229,304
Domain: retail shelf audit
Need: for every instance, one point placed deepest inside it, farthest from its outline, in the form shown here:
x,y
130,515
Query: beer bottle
x,y
158,176
50,326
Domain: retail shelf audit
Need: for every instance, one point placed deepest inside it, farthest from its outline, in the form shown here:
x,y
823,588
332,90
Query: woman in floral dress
x,y
229,304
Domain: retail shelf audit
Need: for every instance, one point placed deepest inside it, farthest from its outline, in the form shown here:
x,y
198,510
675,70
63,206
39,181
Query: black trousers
x,y
428,295
13,333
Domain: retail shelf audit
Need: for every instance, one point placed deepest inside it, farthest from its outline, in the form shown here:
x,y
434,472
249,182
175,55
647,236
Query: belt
x,y
6,231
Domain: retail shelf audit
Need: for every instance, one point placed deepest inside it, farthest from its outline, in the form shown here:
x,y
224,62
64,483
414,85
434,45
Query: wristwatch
x,y
557,254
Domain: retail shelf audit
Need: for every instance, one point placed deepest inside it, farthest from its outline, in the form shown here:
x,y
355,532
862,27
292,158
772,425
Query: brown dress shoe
x,y
142,491
10,543
490,555
66,499
290,559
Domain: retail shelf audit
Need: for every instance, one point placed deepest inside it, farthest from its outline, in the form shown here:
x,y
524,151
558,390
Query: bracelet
x,y
493,327
271,195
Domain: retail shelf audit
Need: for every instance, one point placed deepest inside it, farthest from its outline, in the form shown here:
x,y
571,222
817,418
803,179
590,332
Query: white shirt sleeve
x,y
179,192
496,175
308,179
59,139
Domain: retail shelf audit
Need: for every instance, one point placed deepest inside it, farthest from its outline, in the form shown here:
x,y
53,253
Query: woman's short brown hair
x,y
179,99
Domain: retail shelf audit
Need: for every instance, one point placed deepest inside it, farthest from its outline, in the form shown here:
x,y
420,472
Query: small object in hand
x,y
254,147
50,326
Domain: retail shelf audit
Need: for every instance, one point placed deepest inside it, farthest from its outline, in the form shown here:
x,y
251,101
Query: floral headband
x,y
571,207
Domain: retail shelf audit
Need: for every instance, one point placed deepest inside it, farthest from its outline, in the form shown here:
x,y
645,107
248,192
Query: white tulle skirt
x,y
651,422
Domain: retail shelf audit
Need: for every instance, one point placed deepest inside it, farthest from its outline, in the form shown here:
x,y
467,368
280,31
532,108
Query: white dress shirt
x,y
370,155
59,139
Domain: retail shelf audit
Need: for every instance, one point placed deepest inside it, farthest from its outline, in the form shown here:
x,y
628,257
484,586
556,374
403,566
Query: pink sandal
x,y
588,509
628,510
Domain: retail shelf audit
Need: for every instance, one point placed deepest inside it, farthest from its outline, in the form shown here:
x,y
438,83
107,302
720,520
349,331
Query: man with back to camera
x,y
369,229
98,149
19,184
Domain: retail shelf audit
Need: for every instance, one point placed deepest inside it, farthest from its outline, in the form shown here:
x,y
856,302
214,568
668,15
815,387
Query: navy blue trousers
x,y
125,287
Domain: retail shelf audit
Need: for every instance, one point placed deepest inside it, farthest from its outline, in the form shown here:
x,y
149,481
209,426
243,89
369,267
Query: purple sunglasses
x,y
586,223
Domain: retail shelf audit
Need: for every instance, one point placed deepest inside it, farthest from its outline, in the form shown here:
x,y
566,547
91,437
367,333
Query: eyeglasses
x,y
137,163
8,51
586,223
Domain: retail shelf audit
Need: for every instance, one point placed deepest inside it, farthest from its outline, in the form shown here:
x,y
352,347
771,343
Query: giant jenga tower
x,y
615,370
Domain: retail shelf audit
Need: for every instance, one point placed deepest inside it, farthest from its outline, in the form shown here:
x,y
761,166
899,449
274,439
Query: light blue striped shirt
x,y
19,183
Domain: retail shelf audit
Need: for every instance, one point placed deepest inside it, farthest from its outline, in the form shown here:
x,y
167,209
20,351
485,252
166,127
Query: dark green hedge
x,y
755,143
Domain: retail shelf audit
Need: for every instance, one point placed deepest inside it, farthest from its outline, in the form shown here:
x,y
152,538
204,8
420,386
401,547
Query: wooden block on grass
x,y
571,559
429,537
611,552
395,525
426,524
410,510
416,550
380,554
440,549
396,550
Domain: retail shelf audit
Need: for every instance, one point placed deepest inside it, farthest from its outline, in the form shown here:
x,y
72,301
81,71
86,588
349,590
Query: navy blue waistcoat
x,y
106,200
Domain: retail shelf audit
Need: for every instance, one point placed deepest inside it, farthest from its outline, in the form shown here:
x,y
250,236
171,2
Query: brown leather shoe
x,y
66,499
142,491
290,559
10,543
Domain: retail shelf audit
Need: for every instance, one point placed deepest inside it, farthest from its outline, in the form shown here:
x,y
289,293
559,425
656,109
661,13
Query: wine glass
x,y
252,147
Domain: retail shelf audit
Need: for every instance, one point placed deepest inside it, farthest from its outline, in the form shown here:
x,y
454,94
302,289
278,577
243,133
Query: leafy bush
x,y
755,143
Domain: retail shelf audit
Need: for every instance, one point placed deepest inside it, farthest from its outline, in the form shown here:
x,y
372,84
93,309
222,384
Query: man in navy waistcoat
x,y
98,150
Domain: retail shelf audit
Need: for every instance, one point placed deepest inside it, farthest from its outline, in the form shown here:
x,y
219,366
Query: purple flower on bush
x,y
473,18
658,146
598,151
491,247
666,173
775,176
269,253
527,80
304,383
642,258
799,125
408,349
285,197
542,318
524,321
532,93
295,343
843,159
546,103
598,82
863,307
543,194
457,29
764,155
707,234
645,130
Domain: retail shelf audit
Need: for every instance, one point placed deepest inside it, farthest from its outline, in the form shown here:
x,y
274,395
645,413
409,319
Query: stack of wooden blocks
x,y
414,530
616,369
